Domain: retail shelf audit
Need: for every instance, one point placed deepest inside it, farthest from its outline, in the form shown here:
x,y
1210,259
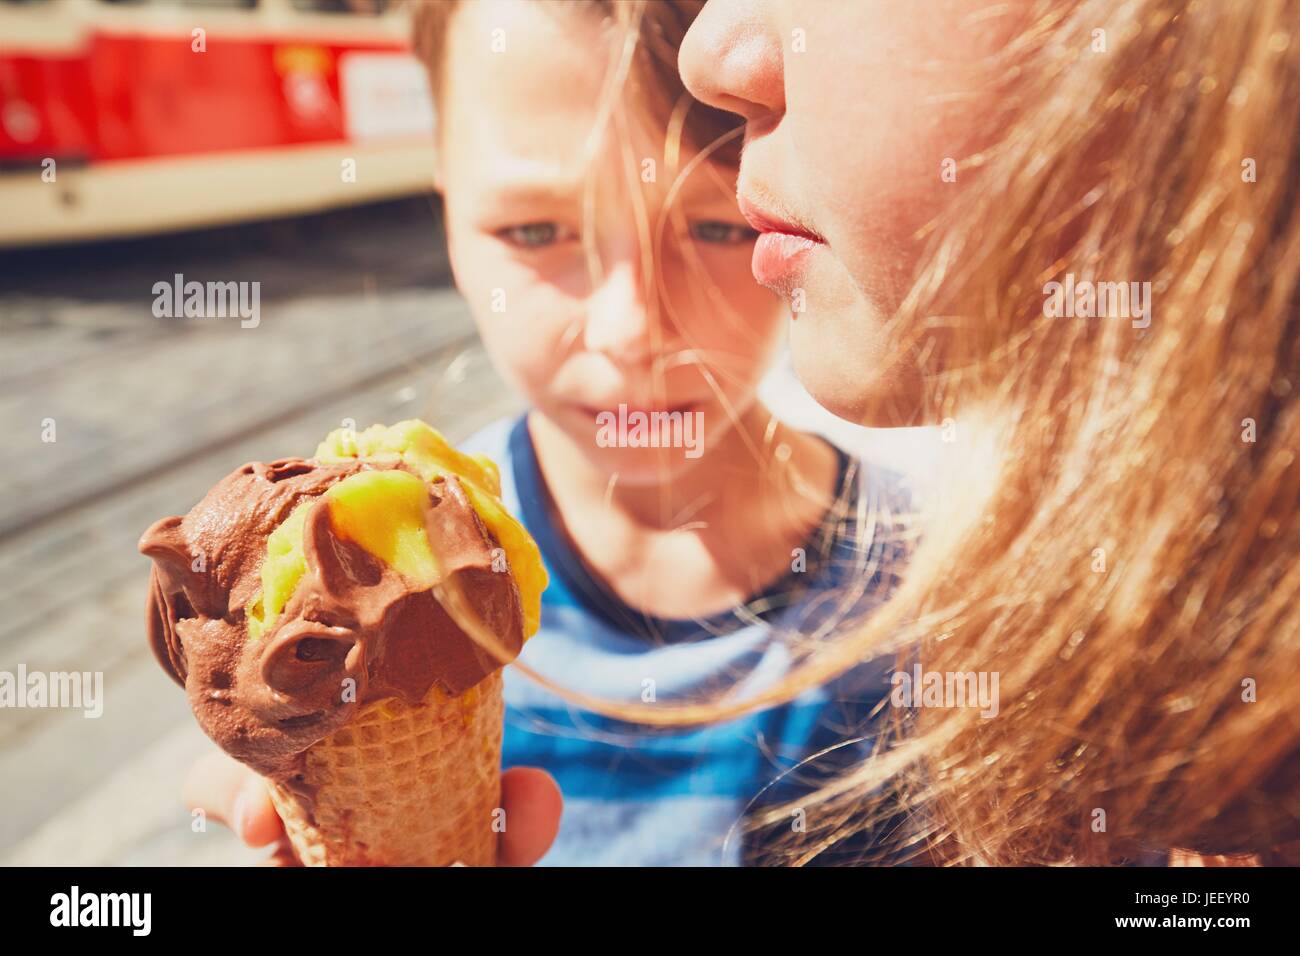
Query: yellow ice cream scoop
x,y
383,511
282,569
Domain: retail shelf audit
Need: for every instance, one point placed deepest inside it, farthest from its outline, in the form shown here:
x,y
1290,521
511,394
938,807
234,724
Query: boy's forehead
x,y
537,100
514,60
528,118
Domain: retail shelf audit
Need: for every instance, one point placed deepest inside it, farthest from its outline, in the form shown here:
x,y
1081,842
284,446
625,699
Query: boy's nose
x,y
619,321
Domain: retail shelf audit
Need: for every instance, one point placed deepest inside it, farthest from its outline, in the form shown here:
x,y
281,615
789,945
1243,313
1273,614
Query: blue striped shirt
x,y
640,796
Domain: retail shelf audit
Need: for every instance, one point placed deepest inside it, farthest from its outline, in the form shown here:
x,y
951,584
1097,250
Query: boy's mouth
x,y
629,408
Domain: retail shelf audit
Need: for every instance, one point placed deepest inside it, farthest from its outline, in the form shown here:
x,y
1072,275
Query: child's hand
x,y
230,793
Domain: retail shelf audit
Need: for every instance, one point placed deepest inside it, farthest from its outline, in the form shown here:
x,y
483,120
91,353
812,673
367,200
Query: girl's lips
x,y
781,249
765,221
778,259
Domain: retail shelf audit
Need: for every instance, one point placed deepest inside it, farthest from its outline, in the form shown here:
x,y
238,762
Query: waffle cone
x,y
403,785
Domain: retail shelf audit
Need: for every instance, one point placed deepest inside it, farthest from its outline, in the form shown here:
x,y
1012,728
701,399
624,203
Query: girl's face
x,y
553,219
852,110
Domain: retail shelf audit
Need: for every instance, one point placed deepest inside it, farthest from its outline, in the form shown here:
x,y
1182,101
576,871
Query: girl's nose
x,y
619,316
733,58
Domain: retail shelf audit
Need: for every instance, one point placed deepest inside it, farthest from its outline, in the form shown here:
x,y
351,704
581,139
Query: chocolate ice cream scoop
x,y
300,590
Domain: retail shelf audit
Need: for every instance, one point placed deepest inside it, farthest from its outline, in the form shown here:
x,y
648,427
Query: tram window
x,y
365,7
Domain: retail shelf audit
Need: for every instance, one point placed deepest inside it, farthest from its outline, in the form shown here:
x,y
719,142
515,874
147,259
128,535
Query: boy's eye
x,y
721,233
533,235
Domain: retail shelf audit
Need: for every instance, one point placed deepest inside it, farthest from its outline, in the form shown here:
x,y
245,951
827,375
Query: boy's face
x,y
552,228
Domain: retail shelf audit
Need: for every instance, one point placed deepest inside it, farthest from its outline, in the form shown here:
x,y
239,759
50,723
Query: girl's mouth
x,y
782,248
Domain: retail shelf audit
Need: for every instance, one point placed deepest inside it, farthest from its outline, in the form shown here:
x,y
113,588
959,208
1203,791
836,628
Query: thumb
x,y
532,802
232,794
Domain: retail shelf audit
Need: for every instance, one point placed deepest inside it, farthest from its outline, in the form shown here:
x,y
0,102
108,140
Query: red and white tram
x,y
123,117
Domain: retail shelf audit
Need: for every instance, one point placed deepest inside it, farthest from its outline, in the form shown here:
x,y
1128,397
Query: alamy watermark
x,y
69,690
179,299
130,910
1086,299
640,429
923,688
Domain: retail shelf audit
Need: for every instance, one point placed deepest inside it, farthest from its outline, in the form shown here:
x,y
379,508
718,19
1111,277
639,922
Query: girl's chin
x,y
877,403
833,378
853,380
837,401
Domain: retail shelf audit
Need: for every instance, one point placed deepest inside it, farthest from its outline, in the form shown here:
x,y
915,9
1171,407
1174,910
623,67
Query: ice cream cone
x,y
296,582
403,785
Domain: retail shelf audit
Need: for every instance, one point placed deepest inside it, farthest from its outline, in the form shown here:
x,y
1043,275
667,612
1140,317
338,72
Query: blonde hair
x,y
1130,567
1134,574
